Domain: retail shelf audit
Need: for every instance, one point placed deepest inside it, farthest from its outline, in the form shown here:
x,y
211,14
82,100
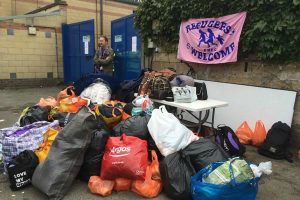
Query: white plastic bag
x,y
98,93
168,133
262,168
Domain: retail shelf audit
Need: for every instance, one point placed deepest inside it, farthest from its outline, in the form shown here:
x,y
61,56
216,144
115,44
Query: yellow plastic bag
x,y
43,150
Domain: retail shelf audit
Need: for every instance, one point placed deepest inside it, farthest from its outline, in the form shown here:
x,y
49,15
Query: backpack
x,y
277,141
228,140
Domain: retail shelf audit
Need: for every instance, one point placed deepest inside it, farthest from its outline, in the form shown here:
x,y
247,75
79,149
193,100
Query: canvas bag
x,y
168,133
56,174
21,168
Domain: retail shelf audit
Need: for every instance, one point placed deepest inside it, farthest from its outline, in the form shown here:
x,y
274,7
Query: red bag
x,y
244,133
99,186
152,186
259,134
124,157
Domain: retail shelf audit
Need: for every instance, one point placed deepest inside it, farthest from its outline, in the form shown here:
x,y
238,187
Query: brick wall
x,y
24,56
285,77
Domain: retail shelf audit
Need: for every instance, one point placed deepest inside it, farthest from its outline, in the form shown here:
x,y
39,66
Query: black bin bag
x,y
93,156
176,171
204,152
56,174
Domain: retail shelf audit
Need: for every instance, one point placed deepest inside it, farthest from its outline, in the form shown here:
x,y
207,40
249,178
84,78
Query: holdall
x,y
201,91
17,139
21,168
228,140
159,88
56,174
124,157
201,190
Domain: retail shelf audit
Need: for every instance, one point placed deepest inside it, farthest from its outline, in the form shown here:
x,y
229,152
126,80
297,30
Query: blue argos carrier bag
x,y
200,190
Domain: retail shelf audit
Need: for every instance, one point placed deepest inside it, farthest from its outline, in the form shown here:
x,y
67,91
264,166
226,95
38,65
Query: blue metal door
x,y
78,50
126,43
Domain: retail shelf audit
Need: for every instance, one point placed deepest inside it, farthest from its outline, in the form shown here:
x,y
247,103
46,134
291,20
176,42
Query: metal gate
x,y
126,43
78,50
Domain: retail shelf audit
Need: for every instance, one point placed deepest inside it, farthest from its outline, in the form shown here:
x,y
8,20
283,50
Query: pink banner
x,y
211,40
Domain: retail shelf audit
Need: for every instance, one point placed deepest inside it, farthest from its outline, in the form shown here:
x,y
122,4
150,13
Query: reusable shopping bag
x,y
201,190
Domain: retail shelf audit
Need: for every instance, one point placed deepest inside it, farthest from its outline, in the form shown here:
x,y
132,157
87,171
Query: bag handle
x,y
163,109
232,178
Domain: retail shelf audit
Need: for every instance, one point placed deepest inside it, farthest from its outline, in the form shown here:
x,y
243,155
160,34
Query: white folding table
x,y
197,106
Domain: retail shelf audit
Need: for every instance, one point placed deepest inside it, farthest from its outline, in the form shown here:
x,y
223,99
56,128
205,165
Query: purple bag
x,y
17,139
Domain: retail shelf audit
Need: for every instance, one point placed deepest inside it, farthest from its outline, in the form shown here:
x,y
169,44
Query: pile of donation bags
x,y
114,146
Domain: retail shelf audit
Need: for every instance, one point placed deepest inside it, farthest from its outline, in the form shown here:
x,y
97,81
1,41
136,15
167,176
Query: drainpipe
x,y
101,17
96,18
56,46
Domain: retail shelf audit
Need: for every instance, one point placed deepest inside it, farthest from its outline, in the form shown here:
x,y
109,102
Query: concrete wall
x,y
285,77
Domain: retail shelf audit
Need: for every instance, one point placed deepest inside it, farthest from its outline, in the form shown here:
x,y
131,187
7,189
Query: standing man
x,y
104,57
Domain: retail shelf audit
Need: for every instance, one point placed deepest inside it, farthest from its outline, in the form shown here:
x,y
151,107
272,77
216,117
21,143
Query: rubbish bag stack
x,y
117,146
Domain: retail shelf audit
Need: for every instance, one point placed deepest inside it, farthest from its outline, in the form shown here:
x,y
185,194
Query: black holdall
x,y
201,91
21,168
277,142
